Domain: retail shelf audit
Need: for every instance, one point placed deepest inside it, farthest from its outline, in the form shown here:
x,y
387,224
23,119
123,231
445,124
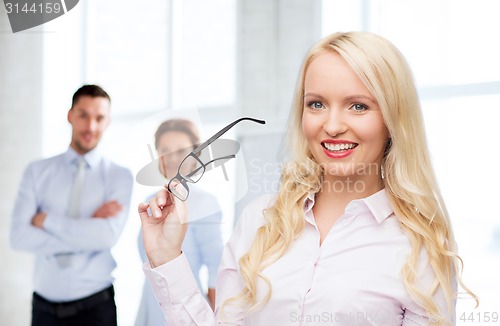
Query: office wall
x,y
21,131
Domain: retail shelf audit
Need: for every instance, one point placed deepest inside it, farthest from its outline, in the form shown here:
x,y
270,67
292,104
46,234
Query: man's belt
x,y
72,308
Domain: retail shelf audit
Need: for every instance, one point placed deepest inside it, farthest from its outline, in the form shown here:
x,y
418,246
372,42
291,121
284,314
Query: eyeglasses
x,y
192,166
154,173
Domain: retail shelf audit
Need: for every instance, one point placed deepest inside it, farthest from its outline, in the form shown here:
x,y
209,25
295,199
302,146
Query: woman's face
x,y
341,120
173,147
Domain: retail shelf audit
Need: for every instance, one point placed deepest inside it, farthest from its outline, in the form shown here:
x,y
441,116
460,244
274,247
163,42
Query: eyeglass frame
x,y
195,154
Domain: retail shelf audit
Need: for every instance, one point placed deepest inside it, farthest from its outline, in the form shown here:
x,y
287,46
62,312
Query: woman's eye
x,y
358,107
316,105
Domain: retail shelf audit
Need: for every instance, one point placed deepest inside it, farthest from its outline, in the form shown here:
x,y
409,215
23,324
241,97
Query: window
x,y
204,53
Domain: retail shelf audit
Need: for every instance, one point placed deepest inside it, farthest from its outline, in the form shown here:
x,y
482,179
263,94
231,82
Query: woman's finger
x,y
143,210
155,210
181,210
162,198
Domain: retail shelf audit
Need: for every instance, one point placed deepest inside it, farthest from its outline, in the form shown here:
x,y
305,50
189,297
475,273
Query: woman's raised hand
x,y
164,231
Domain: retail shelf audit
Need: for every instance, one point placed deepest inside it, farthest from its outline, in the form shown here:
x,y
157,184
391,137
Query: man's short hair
x,y
89,90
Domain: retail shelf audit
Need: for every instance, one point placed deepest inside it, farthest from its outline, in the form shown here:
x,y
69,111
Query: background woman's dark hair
x,y
89,90
178,125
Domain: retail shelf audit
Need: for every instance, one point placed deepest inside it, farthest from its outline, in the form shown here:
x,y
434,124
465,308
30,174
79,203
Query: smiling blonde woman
x,y
358,233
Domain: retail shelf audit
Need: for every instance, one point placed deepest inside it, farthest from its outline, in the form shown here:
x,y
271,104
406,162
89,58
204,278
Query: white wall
x,y
20,123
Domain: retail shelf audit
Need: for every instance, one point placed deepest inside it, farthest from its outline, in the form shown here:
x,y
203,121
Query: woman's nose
x,y
335,123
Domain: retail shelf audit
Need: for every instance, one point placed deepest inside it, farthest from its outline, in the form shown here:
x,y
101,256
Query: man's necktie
x,y
64,259
76,190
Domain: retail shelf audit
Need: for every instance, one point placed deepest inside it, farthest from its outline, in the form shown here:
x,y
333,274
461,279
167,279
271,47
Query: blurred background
x,y
233,58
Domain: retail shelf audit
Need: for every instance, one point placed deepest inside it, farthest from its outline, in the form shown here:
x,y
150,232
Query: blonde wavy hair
x,y
409,178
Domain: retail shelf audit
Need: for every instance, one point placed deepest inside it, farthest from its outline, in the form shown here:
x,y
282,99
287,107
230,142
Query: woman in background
x,y
174,139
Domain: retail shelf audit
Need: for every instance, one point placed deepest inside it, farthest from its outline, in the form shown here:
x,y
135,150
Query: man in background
x,y
70,210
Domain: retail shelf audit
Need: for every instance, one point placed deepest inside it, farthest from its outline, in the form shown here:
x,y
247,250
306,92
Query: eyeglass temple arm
x,y
223,131
205,164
